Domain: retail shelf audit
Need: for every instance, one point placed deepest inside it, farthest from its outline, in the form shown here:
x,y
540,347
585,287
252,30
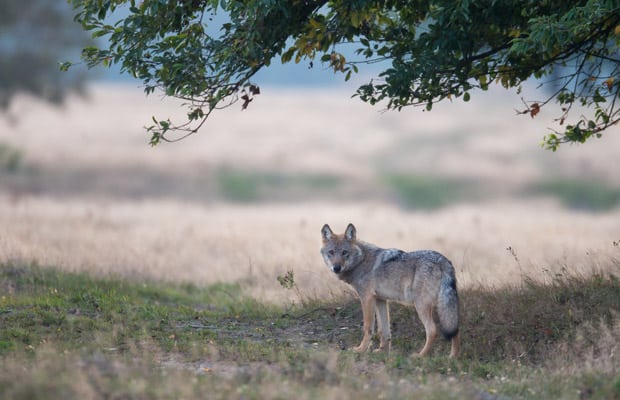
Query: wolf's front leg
x,y
383,325
368,312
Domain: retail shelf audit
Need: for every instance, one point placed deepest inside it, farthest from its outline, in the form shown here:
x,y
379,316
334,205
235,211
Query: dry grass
x,y
91,195
309,130
254,244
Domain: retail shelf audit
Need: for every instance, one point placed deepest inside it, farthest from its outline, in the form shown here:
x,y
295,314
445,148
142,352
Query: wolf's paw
x,y
379,350
382,349
360,349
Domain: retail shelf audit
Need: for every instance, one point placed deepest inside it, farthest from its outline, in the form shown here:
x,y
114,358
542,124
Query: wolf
x,y
423,278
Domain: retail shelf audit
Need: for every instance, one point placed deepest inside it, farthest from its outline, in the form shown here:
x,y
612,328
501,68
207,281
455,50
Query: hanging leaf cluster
x,y
207,52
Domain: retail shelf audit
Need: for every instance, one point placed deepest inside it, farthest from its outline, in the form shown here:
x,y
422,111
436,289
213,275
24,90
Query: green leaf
x,y
64,66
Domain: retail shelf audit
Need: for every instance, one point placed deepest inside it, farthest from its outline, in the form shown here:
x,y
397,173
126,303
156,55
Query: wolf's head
x,y
341,253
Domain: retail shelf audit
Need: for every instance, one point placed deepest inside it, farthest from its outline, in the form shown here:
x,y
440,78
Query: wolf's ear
x,y
326,232
350,233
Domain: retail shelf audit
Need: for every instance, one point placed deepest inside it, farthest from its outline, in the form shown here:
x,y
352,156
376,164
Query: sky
x,y
277,74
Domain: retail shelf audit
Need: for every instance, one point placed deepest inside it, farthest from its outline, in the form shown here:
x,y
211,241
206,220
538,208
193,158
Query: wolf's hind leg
x,y
456,346
425,311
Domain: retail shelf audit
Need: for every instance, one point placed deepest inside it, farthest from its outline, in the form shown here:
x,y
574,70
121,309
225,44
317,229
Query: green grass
x,y
251,186
11,159
580,194
65,335
76,310
428,193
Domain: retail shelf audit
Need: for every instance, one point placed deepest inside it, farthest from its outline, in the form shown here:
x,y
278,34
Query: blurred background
x,y
244,198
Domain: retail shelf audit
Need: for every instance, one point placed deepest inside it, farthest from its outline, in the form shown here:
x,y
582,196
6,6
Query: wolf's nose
x,y
336,268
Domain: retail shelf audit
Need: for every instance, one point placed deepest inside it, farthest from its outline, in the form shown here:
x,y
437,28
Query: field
x,y
192,270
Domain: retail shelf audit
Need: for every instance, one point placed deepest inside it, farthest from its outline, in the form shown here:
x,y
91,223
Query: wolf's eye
x,y
330,253
345,253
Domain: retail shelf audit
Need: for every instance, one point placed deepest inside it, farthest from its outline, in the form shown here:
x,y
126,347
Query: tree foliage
x,y
34,35
432,49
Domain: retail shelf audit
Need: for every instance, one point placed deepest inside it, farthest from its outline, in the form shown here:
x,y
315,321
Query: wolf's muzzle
x,y
336,268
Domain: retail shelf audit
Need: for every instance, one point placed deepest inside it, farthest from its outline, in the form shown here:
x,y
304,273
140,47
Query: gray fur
x,y
424,278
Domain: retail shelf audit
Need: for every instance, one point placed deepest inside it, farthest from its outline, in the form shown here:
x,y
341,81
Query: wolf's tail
x,y
448,304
